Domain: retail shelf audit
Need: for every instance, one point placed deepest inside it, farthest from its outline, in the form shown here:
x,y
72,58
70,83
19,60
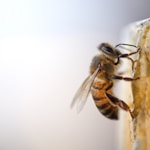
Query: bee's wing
x,y
83,92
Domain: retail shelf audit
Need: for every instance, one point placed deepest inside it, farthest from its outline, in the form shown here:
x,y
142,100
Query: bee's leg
x,y
117,102
124,78
127,56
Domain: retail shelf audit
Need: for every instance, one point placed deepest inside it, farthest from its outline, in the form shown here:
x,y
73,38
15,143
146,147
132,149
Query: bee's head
x,y
108,50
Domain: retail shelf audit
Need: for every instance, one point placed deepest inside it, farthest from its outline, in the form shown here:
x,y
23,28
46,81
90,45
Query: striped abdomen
x,y
102,101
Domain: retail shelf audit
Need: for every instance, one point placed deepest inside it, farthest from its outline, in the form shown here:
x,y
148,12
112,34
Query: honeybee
x,y
100,81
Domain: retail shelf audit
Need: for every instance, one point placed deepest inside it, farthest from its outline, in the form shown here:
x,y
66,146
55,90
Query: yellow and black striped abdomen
x,y
102,101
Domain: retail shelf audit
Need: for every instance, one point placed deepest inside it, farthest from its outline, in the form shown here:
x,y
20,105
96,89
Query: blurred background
x,y
45,51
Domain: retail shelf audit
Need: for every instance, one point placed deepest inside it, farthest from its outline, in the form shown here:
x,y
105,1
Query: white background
x,y
45,51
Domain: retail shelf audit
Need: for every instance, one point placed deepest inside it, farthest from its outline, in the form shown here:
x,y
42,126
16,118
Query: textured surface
x,y
138,133
141,91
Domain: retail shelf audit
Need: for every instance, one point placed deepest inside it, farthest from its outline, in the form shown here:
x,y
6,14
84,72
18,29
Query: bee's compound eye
x,y
106,48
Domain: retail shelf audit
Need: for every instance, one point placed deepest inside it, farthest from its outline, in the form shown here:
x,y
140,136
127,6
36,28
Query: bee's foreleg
x,y
127,55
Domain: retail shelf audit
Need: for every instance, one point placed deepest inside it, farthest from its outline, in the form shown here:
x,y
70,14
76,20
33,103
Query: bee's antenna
x,y
124,44
121,44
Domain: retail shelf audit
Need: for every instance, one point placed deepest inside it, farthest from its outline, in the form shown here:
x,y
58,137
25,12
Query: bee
x,y
100,81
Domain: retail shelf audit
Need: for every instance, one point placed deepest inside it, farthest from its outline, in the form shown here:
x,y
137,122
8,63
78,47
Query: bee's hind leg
x,y
117,102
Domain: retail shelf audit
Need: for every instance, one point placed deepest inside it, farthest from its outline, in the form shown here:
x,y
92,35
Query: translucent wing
x,y
80,97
